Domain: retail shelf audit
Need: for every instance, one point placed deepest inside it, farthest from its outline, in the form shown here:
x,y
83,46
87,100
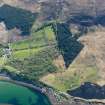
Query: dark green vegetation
x,y
33,57
67,43
37,65
17,18
1,51
18,95
89,91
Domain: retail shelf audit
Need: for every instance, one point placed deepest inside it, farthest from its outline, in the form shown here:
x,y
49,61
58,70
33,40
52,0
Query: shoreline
x,y
47,92
21,83
32,87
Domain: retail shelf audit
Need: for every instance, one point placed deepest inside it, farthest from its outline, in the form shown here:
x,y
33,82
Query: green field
x,y
33,57
41,38
71,78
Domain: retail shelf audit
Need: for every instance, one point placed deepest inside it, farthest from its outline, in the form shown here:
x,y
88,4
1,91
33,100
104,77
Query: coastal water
x,y
13,94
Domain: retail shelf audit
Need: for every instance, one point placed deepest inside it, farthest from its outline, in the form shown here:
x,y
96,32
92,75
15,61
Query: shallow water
x,y
18,95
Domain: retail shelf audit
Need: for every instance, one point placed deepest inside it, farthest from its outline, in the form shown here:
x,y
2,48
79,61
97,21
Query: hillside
x,y
61,47
30,5
25,18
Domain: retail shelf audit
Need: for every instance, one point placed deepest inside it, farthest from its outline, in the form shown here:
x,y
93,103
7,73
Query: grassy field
x,y
21,54
35,66
43,37
71,78
33,57
37,42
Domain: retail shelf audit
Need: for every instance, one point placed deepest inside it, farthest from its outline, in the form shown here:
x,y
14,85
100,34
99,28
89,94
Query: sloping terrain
x,y
67,49
93,52
20,18
88,65
33,57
